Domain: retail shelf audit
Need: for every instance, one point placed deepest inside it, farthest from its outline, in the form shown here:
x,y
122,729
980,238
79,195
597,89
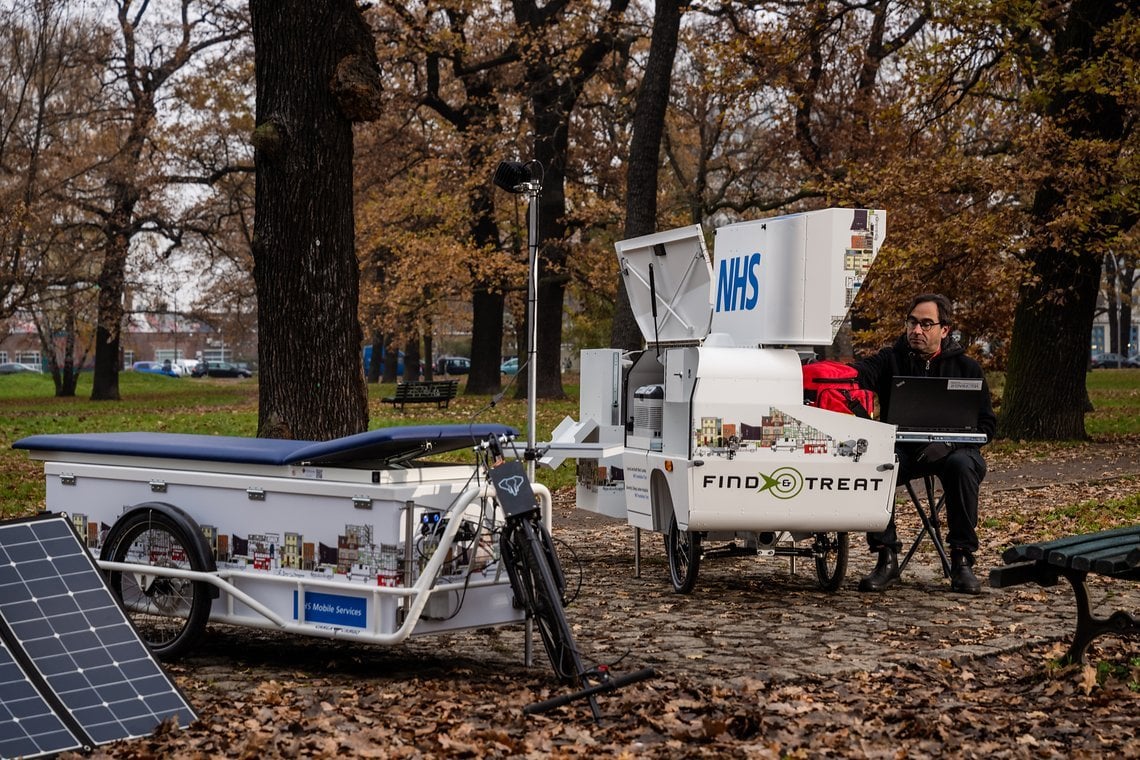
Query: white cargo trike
x,y
714,441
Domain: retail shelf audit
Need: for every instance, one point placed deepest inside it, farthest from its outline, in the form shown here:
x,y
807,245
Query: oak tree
x,y
316,75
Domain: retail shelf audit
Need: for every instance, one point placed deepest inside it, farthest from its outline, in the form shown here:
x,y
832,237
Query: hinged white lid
x,y
675,266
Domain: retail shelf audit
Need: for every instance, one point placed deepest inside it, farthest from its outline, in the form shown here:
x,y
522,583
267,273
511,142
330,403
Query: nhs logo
x,y
737,283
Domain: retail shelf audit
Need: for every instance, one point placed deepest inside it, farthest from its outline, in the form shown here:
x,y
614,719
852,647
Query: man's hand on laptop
x,y
932,452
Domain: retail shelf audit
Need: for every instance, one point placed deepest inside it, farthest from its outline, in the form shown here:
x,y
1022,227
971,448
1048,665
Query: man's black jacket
x,y
876,373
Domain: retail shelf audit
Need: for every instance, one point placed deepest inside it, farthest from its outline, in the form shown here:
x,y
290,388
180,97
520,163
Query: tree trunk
x,y
1127,286
412,357
429,352
1112,301
553,95
375,358
551,149
486,341
105,379
487,299
312,63
390,369
1045,395
644,152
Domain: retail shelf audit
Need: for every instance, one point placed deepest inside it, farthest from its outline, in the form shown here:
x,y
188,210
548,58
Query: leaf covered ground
x,y
756,662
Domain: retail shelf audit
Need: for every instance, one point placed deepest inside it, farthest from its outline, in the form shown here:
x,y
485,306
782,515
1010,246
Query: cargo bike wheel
x,y
830,552
169,613
683,550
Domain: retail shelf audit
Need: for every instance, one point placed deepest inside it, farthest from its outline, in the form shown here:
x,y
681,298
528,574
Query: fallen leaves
x,y
266,695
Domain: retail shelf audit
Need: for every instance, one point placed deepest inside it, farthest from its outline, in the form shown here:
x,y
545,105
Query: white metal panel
x,y
791,280
729,377
667,274
274,512
600,396
801,475
638,500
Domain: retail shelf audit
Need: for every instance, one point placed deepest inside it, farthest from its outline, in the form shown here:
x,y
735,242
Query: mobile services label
x,y
332,609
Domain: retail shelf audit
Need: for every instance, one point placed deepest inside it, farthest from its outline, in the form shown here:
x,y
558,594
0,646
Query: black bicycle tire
x,y
534,581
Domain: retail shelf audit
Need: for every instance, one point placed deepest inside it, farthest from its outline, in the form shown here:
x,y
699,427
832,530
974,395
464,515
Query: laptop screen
x,y
935,404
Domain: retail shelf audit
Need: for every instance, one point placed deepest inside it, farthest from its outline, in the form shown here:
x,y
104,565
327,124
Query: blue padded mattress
x,y
385,444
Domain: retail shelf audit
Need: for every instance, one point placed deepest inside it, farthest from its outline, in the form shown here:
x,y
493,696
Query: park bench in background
x,y
423,392
1111,554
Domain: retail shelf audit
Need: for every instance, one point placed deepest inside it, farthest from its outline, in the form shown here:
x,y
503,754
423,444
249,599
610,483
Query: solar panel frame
x,y
73,640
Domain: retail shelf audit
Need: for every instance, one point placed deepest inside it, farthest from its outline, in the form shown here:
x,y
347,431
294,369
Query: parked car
x,y
220,369
510,366
187,365
453,365
15,368
155,368
1110,360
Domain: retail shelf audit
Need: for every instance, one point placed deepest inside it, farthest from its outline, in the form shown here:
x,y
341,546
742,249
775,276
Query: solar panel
x,y
29,726
71,641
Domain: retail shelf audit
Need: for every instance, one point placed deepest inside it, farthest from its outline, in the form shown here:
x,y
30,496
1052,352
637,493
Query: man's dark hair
x,y
945,310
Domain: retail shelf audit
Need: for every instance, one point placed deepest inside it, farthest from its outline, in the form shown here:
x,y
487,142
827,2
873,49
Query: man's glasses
x,y
926,324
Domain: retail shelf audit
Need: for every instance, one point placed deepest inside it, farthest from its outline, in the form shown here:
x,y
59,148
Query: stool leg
x,y
929,526
935,528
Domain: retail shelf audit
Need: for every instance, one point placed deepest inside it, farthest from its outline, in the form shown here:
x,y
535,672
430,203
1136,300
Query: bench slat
x,y
1084,562
1019,573
1023,552
1120,566
1079,555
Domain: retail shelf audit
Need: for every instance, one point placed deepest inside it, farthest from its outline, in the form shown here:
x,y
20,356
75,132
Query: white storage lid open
x,y
675,266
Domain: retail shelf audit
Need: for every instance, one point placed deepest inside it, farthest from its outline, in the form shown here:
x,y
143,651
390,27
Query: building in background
x,y
147,336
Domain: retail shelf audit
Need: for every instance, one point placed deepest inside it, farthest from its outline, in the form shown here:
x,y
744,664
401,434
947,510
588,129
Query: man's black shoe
x,y
963,580
884,575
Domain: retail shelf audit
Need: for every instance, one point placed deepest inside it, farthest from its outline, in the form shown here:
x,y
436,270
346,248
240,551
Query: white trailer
x,y
705,436
361,538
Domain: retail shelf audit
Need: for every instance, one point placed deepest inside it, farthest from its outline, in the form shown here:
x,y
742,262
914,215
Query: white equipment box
x,y
706,431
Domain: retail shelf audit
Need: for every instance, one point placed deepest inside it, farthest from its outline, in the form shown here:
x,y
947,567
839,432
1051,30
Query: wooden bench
x,y
423,392
1110,553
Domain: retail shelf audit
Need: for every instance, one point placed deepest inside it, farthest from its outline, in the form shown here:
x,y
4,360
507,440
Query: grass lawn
x,y
229,407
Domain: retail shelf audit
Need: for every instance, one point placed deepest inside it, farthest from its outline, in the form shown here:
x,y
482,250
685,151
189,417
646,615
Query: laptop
x,y
935,405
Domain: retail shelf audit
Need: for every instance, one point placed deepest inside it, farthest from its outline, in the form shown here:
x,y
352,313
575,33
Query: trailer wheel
x,y
168,613
683,548
830,550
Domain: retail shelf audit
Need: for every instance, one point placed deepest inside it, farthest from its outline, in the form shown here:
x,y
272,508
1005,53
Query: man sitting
x,y
926,348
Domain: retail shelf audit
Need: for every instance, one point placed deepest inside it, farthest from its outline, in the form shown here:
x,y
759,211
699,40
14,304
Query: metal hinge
x,y
67,479
157,486
255,494
362,502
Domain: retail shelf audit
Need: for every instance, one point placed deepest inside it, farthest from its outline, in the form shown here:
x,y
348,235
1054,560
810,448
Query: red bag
x,y
831,385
